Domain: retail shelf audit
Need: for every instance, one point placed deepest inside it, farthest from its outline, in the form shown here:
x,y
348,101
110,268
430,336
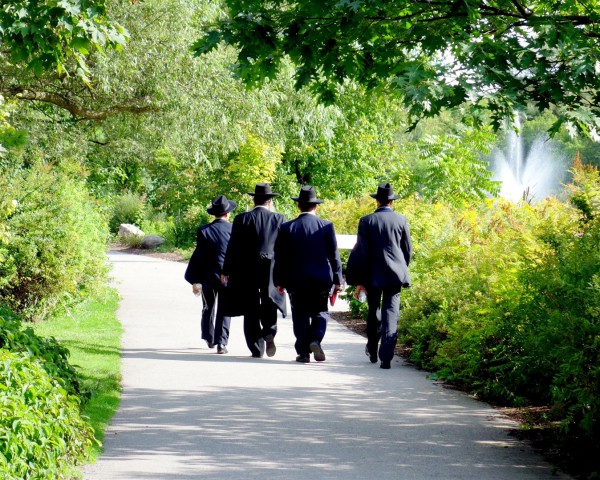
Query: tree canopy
x,y
497,56
45,52
47,34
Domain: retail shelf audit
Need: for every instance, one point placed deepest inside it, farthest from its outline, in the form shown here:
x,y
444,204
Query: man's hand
x,y
225,279
196,288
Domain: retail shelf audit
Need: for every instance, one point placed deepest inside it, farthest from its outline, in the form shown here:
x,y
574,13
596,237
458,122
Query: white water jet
x,y
532,175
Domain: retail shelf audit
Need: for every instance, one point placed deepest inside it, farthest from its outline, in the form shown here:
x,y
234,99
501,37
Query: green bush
x,y
506,301
128,208
53,357
41,430
52,240
182,229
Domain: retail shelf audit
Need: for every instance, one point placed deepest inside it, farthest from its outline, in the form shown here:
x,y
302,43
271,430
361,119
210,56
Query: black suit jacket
x,y
306,255
382,252
250,247
206,264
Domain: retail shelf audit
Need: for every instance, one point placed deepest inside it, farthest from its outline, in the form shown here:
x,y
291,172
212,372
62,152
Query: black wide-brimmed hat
x,y
220,206
307,195
385,192
263,190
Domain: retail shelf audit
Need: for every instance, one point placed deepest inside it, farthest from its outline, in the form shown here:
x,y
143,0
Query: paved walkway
x,y
188,413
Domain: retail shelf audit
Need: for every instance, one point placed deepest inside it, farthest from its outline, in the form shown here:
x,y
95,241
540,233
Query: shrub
x,y
41,430
52,356
506,301
53,242
182,231
128,208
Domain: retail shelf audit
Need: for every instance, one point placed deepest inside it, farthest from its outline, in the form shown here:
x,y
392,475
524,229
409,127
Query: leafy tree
x,y
45,46
494,55
449,168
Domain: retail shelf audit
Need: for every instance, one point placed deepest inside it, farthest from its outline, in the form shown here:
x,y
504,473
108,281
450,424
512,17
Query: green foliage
x,y
505,301
435,55
53,357
128,208
54,240
41,430
182,228
447,168
256,161
46,35
346,213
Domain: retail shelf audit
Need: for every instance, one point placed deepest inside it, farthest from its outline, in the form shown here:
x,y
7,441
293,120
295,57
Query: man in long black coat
x,y
307,264
378,265
204,272
248,269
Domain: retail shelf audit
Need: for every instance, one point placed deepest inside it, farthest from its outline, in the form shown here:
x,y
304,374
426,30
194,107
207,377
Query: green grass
x,y
93,335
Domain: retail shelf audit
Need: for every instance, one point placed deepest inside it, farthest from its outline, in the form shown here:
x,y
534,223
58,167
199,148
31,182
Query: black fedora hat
x,y
385,192
220,206
307,195
263,190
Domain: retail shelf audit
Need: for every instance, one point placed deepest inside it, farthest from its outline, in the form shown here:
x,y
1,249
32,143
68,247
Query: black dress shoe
x,y
210,344
222,349
256,355
303,358
372,355
385,365
317,351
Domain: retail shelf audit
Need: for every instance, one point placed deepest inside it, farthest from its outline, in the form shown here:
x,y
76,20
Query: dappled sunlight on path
x,y
188,413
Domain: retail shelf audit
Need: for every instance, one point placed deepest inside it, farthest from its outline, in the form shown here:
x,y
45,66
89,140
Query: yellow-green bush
x,y
506,301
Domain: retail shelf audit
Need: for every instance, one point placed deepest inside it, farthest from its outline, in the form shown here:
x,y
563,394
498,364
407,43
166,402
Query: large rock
x,y
129,230
152,241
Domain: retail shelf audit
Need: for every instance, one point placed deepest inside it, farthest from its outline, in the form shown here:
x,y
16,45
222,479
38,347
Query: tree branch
x,y
75,109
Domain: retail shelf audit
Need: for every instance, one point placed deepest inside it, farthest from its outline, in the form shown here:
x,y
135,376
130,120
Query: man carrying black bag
x,y
204,273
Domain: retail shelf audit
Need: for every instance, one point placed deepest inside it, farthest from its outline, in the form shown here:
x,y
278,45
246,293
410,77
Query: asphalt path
x,y
188,413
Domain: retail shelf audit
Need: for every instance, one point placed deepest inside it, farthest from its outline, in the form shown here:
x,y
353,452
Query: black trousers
x,y
214,326
382,320
260,313
309,318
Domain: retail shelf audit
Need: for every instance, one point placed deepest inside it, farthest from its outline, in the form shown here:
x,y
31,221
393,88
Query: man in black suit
x,y
378,265
204,272
248,268
307,264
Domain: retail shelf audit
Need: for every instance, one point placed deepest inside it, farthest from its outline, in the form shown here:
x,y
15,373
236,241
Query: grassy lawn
x,y
93,335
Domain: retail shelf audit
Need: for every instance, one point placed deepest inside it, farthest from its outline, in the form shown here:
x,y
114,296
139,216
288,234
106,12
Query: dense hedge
x,y
53,357
52,239
41,430
506,301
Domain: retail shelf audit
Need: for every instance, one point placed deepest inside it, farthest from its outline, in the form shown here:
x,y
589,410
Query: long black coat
x,y
206,264
382,252
306,255
252,243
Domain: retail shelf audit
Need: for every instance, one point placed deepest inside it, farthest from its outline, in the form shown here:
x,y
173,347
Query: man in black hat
x,y
378,265
307,264
248,268
204,272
